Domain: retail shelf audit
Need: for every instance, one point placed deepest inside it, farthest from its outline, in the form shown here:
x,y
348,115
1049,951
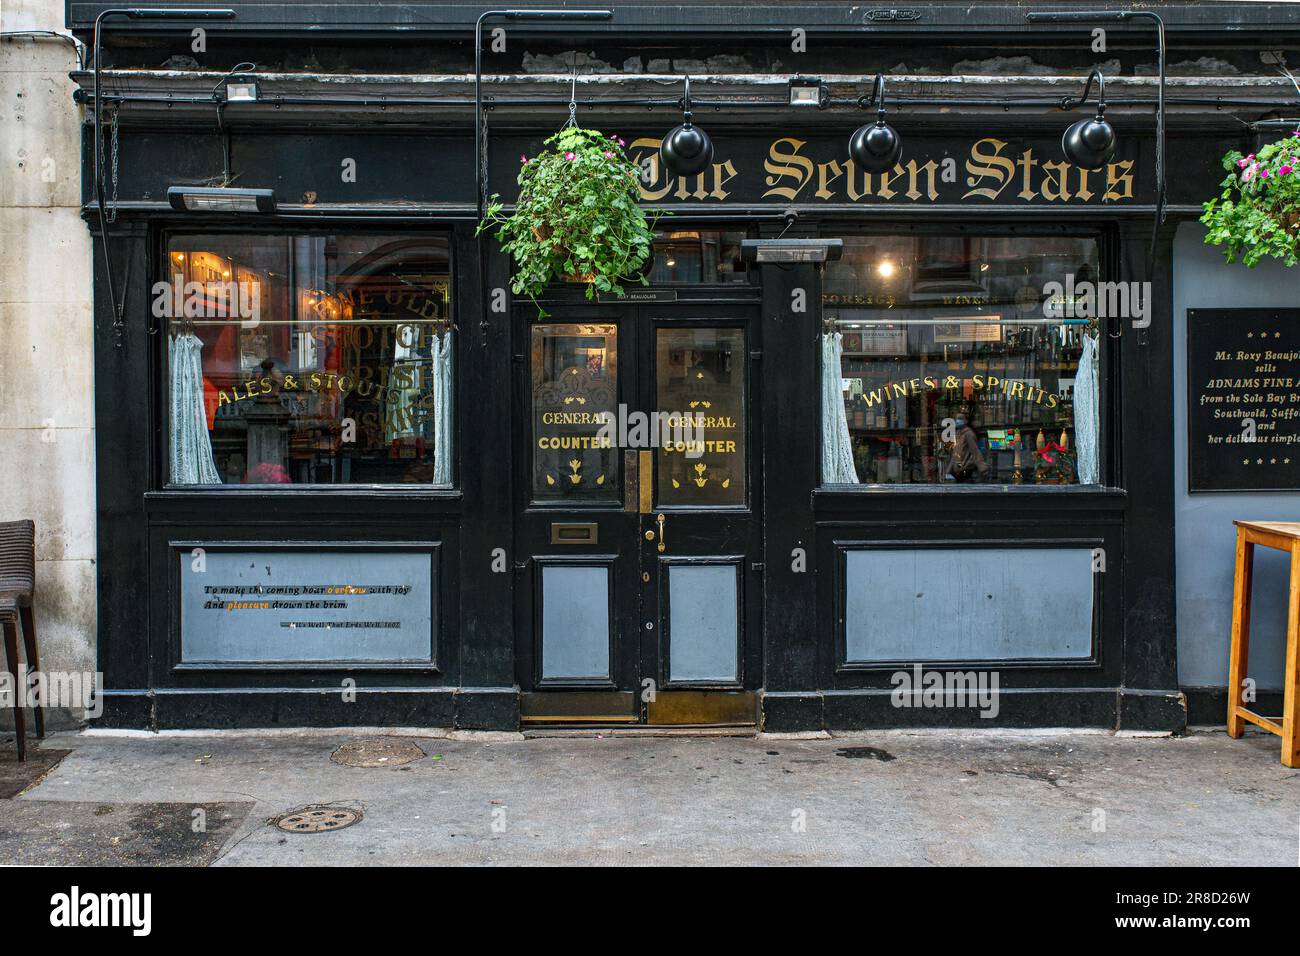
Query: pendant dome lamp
x,y
877,146
1090,143
687,150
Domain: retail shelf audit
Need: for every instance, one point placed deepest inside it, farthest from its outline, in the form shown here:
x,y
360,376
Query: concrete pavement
x,y
934,798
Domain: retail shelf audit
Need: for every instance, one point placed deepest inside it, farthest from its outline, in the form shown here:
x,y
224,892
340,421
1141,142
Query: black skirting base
x,y
1108,707
497,708
467,708
1208,706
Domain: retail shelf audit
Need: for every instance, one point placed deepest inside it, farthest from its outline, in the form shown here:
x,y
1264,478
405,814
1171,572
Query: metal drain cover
x,y
377,753
317,819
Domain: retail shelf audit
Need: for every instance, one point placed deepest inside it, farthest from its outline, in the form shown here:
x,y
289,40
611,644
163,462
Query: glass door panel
x,y
574,394
700,396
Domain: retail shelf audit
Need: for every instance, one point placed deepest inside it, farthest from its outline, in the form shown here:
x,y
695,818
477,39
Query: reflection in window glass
x,y
697,256
940,364
575,397
701,401
308,359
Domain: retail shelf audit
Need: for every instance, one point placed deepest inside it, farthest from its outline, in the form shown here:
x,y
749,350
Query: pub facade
x,y
857,434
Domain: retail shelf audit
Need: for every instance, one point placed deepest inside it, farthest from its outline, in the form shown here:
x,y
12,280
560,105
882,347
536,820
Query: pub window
x,y
697,257
308,359
948,360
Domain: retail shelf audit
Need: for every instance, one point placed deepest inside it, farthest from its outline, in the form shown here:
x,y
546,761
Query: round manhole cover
x,y
377,753
317,819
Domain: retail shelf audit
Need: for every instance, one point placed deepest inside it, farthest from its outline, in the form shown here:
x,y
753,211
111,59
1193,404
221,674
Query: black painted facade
x,y
417,161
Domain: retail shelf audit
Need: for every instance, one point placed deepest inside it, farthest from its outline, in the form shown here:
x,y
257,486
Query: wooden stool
x,y
1285,536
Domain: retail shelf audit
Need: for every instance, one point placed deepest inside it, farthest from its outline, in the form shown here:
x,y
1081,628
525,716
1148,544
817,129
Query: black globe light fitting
x,y
687,150
1090,143
877,146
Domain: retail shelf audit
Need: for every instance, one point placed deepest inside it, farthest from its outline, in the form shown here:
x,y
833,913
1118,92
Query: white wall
x,y
1205,536
47,450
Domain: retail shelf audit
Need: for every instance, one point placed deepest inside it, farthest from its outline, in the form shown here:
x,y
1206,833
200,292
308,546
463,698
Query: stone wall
x,y
47,447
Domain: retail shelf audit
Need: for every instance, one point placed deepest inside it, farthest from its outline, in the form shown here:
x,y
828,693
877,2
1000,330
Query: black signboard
x,y
1243,409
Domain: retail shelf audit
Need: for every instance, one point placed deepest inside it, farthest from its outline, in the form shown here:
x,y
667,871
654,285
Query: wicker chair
x,y
17,585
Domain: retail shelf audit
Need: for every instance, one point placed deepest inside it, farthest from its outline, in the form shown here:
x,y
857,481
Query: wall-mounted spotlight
x,y
807,91
241,91
1090,143
877,146
687,149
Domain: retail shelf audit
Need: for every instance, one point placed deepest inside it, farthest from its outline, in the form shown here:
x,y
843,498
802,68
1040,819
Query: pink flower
x,y
570,156
619,139
1286,170
1263,173
608,154
1248,175
1241,163
523,159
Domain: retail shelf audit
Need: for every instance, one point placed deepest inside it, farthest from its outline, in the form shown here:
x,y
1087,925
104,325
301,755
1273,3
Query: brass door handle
x,y
659,520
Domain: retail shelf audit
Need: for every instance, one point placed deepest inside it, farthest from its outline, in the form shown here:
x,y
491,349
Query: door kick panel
x,y
579,707
710,707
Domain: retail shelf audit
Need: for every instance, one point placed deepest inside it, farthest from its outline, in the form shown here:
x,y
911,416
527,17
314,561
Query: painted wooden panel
x,y
575,622
703,625
269,606
968,604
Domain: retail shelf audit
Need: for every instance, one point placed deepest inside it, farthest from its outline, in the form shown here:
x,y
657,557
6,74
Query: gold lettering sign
x,y
988,169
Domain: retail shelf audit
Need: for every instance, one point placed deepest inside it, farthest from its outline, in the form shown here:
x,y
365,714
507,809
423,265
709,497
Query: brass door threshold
x,y
641,730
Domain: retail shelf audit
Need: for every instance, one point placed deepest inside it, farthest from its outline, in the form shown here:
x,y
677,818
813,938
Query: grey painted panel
x,y
973,604
703,623
263,606
575,621
1205,540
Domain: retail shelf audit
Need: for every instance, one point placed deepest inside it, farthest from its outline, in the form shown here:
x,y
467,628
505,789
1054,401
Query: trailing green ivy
x,y
577,217
1258,213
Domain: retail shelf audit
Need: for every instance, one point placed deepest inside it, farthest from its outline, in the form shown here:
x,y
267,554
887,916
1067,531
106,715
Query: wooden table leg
x,y
1240,640
1291,689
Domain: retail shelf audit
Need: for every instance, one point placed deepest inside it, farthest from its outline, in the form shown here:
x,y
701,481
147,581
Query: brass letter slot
x,y
573,533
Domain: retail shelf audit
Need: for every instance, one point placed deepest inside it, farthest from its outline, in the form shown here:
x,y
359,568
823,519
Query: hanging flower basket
x,y
1258,213
577,218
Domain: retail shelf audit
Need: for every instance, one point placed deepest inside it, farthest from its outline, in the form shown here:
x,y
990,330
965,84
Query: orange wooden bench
x,y
1285,536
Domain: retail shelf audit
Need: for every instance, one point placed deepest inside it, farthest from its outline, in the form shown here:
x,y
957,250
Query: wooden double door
x,y
638,548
